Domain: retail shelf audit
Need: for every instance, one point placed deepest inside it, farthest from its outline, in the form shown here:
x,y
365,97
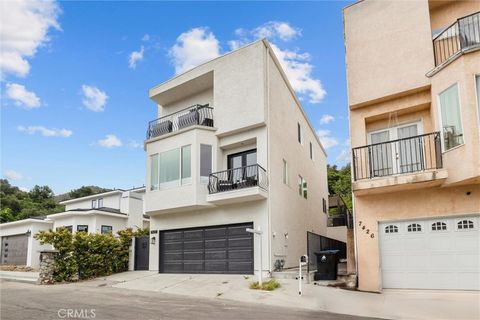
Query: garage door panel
x,y
212,249
430,258
214,244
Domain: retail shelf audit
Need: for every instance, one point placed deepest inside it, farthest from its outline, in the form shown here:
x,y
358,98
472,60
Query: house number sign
x,y
365,229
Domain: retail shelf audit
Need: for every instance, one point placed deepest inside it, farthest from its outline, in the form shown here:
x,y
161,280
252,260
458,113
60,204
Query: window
x,y
299,133
285,172
477,80
450,114
69,228
302,187
82,228
100,203
186,167
311,151
324,203
391,229
414,227
154,172
94,203
438,226
465,224
106,229
171,168
205,162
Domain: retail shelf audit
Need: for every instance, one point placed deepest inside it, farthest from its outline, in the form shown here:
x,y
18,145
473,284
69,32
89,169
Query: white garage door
x,y
431,254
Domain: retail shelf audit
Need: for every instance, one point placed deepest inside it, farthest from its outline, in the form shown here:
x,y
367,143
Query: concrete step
x,y
26,277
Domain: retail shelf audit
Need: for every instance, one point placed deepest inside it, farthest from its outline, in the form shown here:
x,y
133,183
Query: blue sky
x,y
74,83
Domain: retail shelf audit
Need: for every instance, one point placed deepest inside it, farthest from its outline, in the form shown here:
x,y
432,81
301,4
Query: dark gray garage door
x,y
14,249
212,249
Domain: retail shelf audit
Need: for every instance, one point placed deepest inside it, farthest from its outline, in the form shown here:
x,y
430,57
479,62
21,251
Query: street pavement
x,y
96,300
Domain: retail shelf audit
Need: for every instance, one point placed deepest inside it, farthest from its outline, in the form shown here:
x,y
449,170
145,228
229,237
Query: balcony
x,y
196,115
406,161
237,185
338,213
461,36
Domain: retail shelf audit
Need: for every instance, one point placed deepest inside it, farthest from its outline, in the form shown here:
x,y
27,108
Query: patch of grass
x,y
269,285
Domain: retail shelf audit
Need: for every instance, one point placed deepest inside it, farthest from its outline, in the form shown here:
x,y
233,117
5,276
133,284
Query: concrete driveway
x,y
391,304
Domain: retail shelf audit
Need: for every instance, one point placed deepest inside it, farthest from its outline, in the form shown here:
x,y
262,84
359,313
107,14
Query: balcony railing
x,y
195,115
340,221
400,156
238,178
461,35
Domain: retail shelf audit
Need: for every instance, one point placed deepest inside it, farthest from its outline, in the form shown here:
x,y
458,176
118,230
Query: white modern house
x,y
101,213
232,149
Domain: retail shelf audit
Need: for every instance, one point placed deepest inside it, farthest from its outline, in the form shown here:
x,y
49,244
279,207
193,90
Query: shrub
x,y
84,256
269,285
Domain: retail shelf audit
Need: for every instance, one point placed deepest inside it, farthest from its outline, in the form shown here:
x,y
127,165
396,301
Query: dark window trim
x,y
82,225
311,151
244,157
299,133
98,203
104,232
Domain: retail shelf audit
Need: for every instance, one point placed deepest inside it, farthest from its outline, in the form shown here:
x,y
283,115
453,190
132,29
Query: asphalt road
x,y
76,301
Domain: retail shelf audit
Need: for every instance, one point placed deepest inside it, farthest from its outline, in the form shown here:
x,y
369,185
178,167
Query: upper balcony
x,y
196,115
397,165
462,36
239,184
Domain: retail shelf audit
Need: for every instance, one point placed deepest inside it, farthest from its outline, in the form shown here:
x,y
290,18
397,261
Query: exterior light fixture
x,y
152,240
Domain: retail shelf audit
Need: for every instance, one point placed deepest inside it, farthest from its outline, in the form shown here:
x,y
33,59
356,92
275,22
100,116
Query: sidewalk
x,y
19,276
391,304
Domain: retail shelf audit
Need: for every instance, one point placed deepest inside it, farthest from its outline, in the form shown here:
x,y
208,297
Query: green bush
x,y
87,255
269,285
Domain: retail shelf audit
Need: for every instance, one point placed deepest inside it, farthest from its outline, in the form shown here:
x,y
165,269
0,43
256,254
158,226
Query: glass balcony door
x,y
241,166
402,155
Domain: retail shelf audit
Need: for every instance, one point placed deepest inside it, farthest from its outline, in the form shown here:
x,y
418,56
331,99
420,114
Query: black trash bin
x,y
327,265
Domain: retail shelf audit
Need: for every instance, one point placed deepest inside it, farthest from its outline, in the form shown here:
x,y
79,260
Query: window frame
x,y
82,225
419,228
324,205
388,229
94,203
299,133
440,118
102,231
181,181
312,155
476,79
205,179
468,219
436,223
100,201
286,179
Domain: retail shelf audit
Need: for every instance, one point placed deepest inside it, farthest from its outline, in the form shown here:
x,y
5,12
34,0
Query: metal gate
x,y
142,252
14,249
209,249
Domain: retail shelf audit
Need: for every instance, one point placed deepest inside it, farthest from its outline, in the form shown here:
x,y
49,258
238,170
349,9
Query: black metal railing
x,y
238,178
194,115
461,35
341,220
399,156
338,212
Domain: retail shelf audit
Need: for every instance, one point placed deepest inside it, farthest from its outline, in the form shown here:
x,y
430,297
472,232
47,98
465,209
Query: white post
x,y
300,266
259,233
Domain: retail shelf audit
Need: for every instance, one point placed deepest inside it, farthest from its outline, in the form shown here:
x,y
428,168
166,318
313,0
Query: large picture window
x,y
171,168
451,121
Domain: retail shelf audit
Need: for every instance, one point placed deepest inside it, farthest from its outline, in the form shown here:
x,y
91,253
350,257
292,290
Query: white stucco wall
x,y
110,200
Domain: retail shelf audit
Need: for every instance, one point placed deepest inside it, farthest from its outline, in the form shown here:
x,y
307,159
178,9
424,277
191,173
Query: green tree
x,y
340,182
84,191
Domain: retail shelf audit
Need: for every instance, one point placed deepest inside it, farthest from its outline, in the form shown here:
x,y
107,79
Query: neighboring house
x,y
101,213
232,149
110,211
18,245
413,72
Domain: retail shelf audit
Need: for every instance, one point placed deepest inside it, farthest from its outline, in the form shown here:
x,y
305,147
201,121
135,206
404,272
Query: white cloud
x,y
194,47
110,141
94,98
146,37
24,189
134,57
21,96
25,26
326,119
276,29
299,73
344,155
327,140
46,132
14,175
134,144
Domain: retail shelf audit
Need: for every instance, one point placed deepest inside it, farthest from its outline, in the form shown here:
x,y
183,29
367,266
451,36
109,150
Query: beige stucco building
x,y
413,72
232,149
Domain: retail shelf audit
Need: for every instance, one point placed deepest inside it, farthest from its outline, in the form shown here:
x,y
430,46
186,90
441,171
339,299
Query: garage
x,y
441,253
14,249
226,249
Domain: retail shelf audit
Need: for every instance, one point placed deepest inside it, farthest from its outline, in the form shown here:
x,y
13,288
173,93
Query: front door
x,y
142,252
